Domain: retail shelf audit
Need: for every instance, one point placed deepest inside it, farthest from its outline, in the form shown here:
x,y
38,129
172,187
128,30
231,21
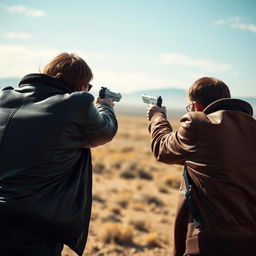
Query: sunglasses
x,y
89,86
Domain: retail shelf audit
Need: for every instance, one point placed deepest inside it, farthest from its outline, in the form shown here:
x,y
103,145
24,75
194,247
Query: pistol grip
x,y
159,101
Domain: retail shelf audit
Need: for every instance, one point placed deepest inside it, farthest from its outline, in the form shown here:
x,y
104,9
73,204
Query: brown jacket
x,y
219,147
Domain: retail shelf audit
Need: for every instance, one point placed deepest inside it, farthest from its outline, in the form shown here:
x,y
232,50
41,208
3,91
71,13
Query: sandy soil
x,y
134,196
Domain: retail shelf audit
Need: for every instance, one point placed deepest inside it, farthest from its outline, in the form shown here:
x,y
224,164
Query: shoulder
x,y
79,105
192,119
7,88
6,94
81,99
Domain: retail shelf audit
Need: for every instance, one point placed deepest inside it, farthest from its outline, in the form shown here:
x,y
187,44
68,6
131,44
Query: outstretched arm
x,y
170,146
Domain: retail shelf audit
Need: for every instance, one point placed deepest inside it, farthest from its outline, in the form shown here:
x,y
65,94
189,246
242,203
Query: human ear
x,y
198,107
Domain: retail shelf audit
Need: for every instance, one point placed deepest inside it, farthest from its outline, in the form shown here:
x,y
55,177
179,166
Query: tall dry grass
x,y
134,196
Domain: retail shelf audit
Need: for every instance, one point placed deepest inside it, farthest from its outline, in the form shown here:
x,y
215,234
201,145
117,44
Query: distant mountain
x,y
252,101
12,81
174,99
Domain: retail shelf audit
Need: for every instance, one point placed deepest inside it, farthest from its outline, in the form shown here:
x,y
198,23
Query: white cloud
x,y
17,60
194,76
91,55
133,81
16,35
185,60
237,74
220,22
230,20
237,23
25,10
248,27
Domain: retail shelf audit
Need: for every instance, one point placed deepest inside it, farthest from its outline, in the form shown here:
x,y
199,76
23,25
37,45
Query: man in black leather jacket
x,y
47,126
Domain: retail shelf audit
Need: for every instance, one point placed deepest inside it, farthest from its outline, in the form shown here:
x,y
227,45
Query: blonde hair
x,y
71,69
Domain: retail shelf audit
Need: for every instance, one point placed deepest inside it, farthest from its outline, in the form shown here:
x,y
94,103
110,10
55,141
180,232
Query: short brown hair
x,y
206,90
71,69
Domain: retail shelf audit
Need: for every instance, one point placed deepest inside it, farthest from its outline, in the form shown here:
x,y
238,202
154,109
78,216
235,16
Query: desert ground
x,y
134,196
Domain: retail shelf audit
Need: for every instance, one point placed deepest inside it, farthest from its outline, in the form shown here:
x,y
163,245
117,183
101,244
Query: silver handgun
x,y
106,93
155,100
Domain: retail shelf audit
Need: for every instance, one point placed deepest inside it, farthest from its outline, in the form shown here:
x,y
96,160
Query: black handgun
x,y
106,93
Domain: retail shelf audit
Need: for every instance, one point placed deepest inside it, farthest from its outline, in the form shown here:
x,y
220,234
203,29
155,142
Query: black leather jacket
x,y
46,132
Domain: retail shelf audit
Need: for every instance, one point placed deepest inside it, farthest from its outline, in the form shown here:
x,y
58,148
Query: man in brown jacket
x,y
216,142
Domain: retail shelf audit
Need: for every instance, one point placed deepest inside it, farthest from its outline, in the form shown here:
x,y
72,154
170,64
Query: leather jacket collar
x,y
44,79
229,104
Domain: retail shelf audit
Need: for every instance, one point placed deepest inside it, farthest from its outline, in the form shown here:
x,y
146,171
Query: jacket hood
x,y
229,104
45,79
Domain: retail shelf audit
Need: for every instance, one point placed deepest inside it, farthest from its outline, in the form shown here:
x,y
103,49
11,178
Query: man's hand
x,y
107,101
152,109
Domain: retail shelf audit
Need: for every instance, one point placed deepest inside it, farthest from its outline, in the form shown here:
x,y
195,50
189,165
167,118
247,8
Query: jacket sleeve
x,y
89,125
100,125
170,146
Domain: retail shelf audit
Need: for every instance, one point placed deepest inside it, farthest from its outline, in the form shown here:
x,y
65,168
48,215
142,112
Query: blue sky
x,y
137,44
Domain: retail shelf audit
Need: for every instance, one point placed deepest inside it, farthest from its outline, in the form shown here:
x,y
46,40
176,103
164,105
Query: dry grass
x,y
131,216
123,198
152,240
115,209
139,206
172,180
117,233
139,223
151,200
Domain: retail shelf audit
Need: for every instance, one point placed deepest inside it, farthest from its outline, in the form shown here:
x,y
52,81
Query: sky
x,y
137,44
